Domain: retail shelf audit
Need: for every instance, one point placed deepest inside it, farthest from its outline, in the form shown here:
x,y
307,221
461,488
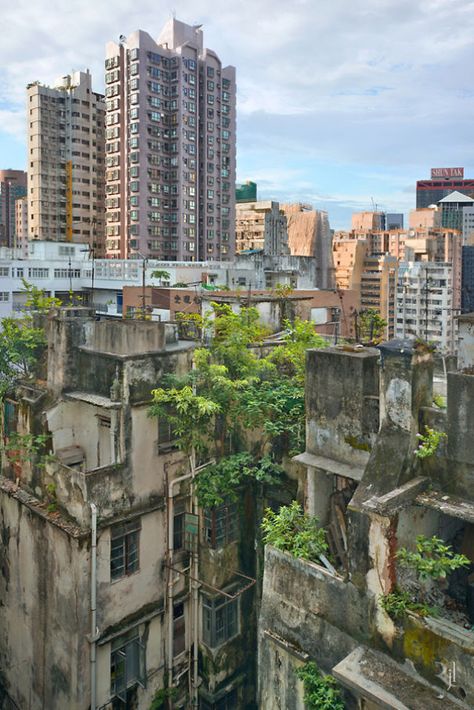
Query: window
x,y
4,296
220,525
10,410
220,619
124,549
178,524
179,629
166,435
127,664
4,270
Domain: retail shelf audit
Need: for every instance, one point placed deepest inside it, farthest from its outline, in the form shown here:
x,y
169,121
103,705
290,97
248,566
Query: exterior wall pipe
x,y
93,639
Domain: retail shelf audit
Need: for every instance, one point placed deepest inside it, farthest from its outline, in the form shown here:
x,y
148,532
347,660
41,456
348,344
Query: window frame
x,y
128,650
220,618
220,525
126,537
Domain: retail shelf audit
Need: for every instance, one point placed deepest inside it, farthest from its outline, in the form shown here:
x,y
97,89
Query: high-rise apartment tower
x,y
170,144
66,154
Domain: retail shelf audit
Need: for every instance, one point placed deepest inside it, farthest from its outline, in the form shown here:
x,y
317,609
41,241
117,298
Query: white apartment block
x,y
170,144
66,154
426,304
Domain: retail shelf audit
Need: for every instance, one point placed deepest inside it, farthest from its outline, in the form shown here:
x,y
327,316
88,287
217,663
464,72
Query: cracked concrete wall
x,y
341,403
43,586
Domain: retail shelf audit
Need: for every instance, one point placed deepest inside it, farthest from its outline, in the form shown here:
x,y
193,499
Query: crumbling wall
x,y
43,587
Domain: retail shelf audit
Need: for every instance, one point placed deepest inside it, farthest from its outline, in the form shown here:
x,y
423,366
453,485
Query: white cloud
x,y
366,83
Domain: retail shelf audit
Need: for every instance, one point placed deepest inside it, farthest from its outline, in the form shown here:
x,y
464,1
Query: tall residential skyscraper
x,y
170,143
12,187
66,168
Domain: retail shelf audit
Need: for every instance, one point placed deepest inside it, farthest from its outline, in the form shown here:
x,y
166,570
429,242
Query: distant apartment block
x,y
364,221
309,234
170,147
12,187
427,299
424,218
21,225
443,182
261,225
66,154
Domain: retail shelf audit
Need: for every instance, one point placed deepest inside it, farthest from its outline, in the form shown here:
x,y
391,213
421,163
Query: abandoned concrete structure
x,y
105,595
374,496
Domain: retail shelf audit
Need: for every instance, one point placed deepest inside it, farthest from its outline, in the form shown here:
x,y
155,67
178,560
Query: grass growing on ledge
x,y
397,603
320,691
292,530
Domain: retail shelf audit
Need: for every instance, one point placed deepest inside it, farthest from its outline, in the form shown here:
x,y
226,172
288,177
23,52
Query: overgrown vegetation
x,y
22,340
320,690
23,448
429,442
238,398
431,561
398,602
439,401
162,696
432,558
294,531
369,326
220,482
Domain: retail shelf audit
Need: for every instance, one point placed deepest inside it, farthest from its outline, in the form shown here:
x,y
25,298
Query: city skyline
x,y
324,115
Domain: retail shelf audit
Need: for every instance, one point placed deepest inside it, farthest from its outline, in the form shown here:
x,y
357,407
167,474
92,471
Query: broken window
x,y
220,525
220,619
127,664
124,549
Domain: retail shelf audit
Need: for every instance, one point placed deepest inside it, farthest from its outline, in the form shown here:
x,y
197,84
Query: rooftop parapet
x,y
342,403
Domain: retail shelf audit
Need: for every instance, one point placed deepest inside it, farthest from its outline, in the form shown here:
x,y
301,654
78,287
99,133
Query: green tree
x,y
161,275
190,416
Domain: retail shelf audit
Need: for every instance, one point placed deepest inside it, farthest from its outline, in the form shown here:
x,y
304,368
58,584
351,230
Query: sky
x,y
341,104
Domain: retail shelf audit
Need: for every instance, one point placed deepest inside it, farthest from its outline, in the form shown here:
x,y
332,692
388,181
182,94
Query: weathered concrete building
x,y
105,595
374,496
309,234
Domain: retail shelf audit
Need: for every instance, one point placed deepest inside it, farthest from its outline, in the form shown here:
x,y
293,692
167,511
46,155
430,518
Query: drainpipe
x,y
93,605
170,595
195,587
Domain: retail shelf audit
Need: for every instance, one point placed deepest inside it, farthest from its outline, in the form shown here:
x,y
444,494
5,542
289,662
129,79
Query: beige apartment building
x,y
261,225
21,225
66,161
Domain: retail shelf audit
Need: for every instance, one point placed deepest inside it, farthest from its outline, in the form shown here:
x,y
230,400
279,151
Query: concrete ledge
x,y
330,465
450,505
376,677
398,498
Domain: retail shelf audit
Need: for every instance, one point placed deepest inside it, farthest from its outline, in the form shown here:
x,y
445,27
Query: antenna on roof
x,y
173,14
